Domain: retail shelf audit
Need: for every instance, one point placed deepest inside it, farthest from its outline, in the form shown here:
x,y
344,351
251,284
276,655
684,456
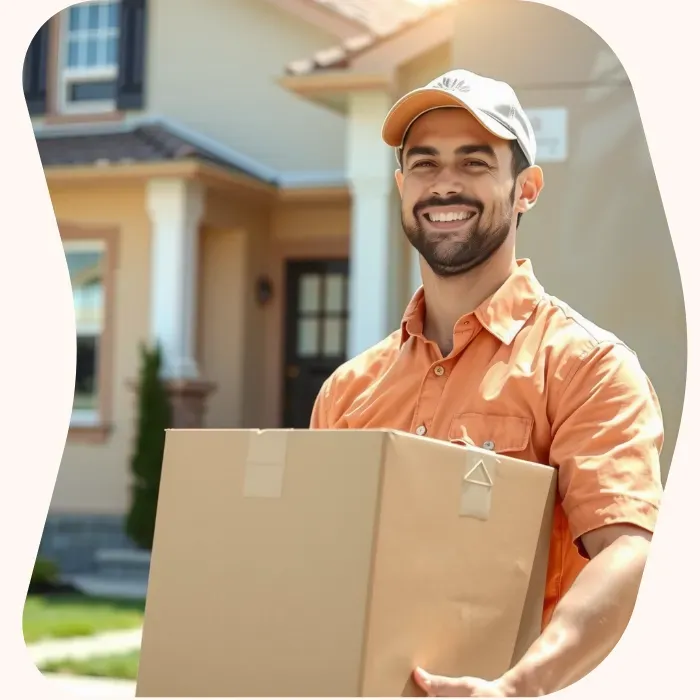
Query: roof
x,y
383,20
379,16
145,143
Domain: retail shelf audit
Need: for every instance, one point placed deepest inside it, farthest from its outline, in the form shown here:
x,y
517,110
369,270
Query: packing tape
x,y
477,489
265,463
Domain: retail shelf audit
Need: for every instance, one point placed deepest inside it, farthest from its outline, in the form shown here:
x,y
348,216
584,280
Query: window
x,y
322,315
86,267
89,58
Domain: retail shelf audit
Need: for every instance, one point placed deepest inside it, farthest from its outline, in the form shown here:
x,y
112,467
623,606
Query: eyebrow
x,y
465,150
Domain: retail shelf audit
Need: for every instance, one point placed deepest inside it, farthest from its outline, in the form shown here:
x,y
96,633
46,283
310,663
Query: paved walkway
x,y
107,643
83,648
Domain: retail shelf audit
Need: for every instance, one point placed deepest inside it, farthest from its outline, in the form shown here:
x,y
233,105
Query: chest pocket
x,y
500,434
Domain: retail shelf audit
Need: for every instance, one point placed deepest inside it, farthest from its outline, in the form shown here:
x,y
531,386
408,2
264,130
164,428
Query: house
x,y
220,185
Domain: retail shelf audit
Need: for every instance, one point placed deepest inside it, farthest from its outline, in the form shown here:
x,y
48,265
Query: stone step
x,y
124,587
122,563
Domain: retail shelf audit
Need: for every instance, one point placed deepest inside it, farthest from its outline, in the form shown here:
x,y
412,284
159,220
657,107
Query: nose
x,y
446,184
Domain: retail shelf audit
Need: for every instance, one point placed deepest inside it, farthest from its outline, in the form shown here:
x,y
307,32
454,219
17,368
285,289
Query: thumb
x,y
438,686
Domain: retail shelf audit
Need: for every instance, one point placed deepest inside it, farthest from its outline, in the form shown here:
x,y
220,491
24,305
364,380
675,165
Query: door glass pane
x,y
333,337
310,293
334,293
307,337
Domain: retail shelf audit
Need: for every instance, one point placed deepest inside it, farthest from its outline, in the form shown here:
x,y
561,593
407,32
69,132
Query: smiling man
x,y
484,351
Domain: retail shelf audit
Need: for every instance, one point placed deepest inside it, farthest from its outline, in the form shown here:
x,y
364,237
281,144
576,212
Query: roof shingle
x,y
147,143
383,19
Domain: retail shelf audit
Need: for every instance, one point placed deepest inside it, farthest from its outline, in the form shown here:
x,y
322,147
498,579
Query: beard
x,y
450,254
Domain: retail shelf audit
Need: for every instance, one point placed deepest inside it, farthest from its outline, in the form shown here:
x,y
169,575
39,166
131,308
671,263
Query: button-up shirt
x,y
530,378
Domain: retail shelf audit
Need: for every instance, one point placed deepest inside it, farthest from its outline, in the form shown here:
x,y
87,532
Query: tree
x,y
153,418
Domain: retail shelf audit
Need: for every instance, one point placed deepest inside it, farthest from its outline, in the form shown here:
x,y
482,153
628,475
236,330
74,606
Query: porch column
x,y
176,208
374,253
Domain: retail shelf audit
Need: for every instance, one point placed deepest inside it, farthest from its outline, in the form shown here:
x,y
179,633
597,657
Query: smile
x,y
449,216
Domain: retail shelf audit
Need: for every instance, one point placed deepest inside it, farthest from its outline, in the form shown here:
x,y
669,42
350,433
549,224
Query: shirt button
x,y
421,430
489,445
439,370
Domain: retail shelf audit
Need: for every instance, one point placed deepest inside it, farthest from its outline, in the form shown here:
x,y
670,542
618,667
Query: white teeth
x,y
450,216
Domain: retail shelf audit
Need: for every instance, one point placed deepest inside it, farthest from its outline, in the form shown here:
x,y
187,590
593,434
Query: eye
x,y
421,164
476,164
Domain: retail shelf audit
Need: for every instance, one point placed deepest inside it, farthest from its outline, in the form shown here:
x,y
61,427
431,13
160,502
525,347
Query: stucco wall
x,y
93,478
213,65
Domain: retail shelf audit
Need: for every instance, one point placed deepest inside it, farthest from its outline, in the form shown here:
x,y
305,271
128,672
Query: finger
x,y
440,686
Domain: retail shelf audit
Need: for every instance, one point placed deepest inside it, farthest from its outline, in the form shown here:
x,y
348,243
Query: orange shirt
x,y
530,378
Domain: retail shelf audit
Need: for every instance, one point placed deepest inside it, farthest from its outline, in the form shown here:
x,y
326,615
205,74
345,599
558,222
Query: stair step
x,y
122,563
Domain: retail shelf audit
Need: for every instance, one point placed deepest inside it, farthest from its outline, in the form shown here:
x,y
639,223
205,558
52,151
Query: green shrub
x,y
45,572
153,419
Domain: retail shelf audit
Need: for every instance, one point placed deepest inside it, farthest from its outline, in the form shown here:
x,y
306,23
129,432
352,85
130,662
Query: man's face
x,y
457,191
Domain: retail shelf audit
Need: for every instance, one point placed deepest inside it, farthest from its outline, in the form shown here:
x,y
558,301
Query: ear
x,y
398,176
531,184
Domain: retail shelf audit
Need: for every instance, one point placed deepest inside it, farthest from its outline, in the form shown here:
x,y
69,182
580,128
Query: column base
x,y
188,399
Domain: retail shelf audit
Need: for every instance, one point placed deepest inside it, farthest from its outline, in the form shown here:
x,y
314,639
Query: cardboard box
x,y
330,563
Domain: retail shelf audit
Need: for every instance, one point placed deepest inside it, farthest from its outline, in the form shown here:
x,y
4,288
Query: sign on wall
x,y
550,125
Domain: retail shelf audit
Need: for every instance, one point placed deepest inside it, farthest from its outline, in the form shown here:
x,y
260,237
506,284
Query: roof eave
x,y
211,175
371,67
330,88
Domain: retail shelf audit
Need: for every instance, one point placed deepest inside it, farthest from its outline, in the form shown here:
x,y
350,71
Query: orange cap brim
x,y
418,102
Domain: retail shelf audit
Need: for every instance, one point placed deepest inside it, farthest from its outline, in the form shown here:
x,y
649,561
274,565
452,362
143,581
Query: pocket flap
x,y
501,434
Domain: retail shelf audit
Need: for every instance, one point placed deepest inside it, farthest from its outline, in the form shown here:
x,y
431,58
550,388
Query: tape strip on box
x,y
265,464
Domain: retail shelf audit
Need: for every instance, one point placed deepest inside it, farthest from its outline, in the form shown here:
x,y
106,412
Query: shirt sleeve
x,y
319,414
607,439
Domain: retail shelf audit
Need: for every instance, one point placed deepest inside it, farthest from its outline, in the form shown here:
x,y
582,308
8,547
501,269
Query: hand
x,y
466,687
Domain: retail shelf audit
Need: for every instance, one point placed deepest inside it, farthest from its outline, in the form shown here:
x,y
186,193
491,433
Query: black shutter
x,y
34,71
132,55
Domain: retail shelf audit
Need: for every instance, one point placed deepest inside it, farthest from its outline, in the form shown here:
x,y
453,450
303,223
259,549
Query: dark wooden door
x,y
316,332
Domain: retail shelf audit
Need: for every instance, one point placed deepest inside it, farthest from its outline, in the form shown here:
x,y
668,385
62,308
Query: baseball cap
x,y
492,102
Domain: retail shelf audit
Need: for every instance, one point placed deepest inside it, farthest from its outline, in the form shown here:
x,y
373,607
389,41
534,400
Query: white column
x,y
176,208
374,254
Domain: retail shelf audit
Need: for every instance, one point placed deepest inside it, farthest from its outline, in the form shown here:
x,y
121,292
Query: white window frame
x,y
89,417
67,76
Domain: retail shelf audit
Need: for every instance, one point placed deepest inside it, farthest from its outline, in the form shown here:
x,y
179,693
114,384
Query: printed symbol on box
x,y
477,486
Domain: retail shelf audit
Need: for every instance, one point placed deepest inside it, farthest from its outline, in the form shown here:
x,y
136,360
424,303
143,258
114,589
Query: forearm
x,y
586,625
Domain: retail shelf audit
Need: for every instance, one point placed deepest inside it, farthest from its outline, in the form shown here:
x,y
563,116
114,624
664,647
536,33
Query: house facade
x,y
220,186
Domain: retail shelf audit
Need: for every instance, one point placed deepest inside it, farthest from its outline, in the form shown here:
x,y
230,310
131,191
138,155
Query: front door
x,y
316,331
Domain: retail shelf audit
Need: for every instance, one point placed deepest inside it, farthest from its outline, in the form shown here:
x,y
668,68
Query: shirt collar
x,y
503,314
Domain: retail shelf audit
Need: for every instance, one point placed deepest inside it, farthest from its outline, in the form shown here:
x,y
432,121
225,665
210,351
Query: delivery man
x,y
483,351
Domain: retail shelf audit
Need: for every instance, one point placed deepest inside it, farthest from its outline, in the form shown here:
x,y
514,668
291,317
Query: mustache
x,y
455,200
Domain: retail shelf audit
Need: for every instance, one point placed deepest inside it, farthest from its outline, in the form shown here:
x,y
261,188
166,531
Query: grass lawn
x,y
119,666
61,616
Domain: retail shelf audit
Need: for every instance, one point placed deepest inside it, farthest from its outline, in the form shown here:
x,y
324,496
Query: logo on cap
x,y
453,84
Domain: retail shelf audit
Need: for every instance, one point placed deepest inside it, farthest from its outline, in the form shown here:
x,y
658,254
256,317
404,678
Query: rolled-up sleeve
x,y
607,439
319,414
